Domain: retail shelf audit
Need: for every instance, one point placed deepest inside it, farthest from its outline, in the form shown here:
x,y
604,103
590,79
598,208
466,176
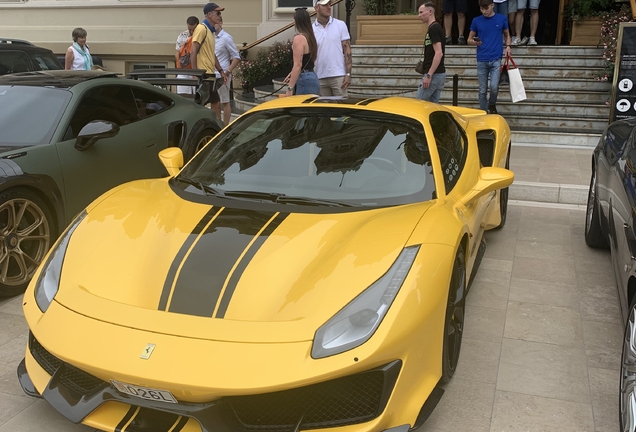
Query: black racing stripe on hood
x,y
238,272
167,285
204,272
131,412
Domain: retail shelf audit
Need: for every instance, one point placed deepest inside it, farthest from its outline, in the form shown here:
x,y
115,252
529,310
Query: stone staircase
x,y
565,101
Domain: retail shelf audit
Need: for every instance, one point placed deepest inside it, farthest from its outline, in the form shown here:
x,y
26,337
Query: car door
x,y
129,155
623,215
452,147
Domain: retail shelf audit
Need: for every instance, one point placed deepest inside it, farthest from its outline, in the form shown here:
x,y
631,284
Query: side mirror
x,y
489,179
94,131
172,159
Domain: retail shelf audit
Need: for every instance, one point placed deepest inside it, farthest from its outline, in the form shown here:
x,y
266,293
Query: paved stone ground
x,y
541,349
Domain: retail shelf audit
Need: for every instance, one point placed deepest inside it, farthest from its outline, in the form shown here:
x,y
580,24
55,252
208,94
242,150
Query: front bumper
x,y
340,402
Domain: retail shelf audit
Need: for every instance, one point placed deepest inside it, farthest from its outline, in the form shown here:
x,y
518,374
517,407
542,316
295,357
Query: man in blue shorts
x,y
534,20
461,7
486,32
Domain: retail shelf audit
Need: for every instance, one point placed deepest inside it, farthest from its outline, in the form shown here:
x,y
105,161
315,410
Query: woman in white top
x,y
77,55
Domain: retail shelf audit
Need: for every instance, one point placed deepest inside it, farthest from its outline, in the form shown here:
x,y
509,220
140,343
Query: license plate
x,y
144,393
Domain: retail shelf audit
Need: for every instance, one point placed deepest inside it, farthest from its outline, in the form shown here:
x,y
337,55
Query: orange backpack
x,y
184,52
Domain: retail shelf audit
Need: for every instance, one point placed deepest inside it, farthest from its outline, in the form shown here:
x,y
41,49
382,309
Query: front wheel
x,y
593,233
26,233
455,312
199,141
627,407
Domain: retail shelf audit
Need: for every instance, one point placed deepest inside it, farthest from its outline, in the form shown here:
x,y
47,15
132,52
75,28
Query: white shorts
x,y
224,92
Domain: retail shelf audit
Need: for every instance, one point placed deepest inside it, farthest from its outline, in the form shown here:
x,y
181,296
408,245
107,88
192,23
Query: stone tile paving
x,y
541,348
545,164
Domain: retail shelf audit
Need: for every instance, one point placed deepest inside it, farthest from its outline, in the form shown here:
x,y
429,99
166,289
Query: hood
x,y
146,258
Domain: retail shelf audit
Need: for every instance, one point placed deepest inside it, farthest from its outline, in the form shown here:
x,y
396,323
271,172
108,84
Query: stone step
x,y
538,51
397,82
548,192
547,73
409,61
538,137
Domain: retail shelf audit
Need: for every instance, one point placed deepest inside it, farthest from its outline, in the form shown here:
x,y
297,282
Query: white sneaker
x,y
532,41
515,41
524,40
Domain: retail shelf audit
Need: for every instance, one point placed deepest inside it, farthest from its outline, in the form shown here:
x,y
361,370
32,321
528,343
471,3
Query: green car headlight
x,y
356,322
49,280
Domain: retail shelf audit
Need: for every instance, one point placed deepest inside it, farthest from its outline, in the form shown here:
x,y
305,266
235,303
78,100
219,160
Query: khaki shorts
x,y
224,92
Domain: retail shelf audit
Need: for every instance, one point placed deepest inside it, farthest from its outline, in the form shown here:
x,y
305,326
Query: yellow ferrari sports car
x,y
306,270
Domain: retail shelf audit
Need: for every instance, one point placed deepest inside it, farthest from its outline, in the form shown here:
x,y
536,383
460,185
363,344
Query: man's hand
x,y
346,82
426,82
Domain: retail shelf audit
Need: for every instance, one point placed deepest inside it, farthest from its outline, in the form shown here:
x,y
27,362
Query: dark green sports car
x,y
68,136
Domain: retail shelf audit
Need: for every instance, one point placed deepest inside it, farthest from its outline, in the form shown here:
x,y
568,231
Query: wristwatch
x,y
427,75
348,74
290,88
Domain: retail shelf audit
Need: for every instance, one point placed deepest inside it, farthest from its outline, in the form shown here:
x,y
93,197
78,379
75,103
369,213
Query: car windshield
x,y
321,155
30,114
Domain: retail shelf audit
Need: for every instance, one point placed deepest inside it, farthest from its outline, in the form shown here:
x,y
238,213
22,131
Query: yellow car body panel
x,y
264,286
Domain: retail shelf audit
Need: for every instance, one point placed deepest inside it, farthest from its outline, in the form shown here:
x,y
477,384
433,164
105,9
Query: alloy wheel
x,y
455,313
628,376
24,240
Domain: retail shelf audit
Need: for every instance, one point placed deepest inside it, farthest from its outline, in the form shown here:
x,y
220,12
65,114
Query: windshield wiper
x,y
269,196
311,201
207,190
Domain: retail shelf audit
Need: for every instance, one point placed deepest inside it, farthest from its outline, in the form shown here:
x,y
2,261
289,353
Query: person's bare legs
x,y
519,21
534,21
448,24
217,109
227,112
461,22
511,24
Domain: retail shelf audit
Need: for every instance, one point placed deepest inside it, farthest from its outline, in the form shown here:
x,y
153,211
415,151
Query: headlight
x,y
357,322
49,280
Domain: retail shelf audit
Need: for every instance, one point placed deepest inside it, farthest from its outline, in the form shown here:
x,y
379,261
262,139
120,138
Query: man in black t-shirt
x,y
434,79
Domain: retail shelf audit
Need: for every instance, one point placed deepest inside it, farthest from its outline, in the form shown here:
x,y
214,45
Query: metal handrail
x,y
245,47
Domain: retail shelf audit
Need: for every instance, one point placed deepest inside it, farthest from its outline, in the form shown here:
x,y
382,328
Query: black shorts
x,y
211,86
450,6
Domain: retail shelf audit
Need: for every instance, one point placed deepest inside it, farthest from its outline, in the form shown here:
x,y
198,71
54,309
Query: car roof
x,y
21,45
54,78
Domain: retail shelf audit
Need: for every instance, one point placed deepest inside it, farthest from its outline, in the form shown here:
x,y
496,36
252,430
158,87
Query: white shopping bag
x,y
517,91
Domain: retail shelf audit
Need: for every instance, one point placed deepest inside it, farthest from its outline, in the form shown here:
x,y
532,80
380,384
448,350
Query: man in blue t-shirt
x,y
487,32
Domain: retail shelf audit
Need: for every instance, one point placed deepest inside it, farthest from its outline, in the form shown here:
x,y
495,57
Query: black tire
x,y
454,318
627,394
199,140
26,234
503,196
594,236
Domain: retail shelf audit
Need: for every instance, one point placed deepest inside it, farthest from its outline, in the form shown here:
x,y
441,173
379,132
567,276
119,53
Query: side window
x,y
113,103
451,146
13,62
149,102
46,62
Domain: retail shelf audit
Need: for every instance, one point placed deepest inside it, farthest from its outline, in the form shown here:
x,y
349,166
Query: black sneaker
x,y
448,41
461,40
492,109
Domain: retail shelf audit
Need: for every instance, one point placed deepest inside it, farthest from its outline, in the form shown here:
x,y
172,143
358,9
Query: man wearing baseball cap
x,y
333,62
202,55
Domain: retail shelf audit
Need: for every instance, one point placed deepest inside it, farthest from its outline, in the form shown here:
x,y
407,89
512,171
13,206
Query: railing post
x,y
349,5
455,88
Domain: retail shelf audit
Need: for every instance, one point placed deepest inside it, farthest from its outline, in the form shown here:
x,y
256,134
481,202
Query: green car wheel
x,y
26,234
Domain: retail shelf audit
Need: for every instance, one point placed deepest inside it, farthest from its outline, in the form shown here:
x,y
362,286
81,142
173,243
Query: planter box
x,y
586,32
390,30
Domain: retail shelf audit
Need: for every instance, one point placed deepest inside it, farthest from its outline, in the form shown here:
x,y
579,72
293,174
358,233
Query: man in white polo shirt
x,y
229,58
333,62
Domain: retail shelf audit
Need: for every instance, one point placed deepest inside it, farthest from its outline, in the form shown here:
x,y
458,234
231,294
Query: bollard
x,y
455,88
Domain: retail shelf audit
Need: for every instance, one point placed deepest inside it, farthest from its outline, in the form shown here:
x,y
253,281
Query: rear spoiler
x,y
150,76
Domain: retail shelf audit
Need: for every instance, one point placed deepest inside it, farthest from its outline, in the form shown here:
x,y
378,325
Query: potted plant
x,y
585,22
383,26
273,62
609,37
